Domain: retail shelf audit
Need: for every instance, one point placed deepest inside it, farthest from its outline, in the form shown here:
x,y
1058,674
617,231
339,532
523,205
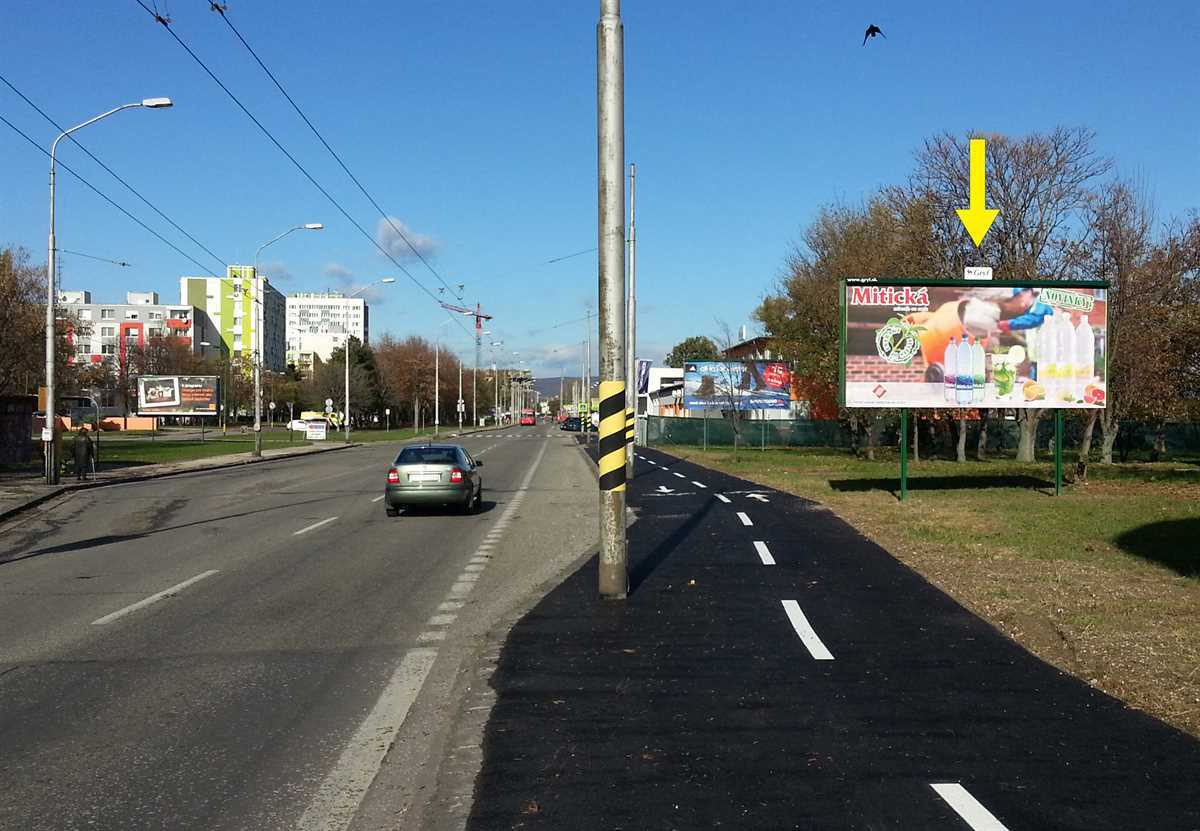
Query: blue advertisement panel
x,y
737,385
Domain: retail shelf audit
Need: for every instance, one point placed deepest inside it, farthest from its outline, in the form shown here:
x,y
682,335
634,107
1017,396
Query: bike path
x,y
831,689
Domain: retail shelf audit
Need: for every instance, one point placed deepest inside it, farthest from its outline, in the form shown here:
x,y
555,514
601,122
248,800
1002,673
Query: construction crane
x,y
480,317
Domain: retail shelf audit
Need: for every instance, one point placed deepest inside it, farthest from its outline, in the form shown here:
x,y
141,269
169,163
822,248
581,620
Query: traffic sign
x,y
328,402
329,408
272,405
387,411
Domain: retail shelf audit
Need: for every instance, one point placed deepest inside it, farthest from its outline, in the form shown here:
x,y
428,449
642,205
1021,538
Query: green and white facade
x,y
229,314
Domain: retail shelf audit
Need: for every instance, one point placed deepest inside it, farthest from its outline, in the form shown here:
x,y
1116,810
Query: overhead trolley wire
x,y
109,200
112,172
220,9
166,24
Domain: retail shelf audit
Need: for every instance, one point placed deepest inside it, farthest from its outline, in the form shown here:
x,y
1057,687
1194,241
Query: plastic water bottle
x,y
962,388
978,371
1048,354
1085,355
1066,357
950,375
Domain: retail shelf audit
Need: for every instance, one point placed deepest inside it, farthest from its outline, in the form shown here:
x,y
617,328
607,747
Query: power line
x,y
111,172
220,9
557,325
166,24
109,200
121,263
569,256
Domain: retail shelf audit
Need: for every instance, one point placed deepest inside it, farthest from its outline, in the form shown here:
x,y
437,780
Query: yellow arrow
x,y
977,219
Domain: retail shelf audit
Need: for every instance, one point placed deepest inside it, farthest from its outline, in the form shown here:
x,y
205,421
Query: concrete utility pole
x,y
631,326
459,407
610,89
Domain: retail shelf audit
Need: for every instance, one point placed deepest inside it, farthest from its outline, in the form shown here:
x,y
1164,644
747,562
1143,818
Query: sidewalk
x,y
773,668
21,491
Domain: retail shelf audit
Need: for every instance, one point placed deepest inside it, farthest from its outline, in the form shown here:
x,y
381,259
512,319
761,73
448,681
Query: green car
x,y
434,474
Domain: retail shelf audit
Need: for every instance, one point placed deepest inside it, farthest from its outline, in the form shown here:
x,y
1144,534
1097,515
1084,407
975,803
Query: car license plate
x,y
423,477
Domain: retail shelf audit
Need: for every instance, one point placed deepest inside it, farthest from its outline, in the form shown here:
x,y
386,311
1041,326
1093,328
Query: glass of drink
x,y
1004,374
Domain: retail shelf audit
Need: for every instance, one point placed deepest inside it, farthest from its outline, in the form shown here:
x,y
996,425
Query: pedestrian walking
x,y
84,453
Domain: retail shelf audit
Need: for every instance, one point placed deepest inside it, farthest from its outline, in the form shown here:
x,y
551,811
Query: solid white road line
x,y
699,484
807,636
764,553
745,519
154,598
968,807
339,796
314,525
381,496
722,497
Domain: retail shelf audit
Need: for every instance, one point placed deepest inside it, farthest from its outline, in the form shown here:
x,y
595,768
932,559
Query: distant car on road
x,y
297,424
434,474
528,421
571,424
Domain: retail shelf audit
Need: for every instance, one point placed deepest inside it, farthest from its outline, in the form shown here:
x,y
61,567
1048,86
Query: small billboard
x,y
737,385
953,344
315,429
182,395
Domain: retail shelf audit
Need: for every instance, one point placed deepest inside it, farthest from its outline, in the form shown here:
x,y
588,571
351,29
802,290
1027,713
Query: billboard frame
x,y
921,282
179,409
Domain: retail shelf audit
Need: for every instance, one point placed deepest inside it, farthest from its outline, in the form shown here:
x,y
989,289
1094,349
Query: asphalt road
x,y
240,648
773,668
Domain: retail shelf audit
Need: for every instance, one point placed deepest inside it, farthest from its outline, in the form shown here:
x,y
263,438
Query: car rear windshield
x,y
427,456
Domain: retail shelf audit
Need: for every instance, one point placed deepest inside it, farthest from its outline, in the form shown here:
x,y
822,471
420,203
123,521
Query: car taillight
x,y
455,475
393,477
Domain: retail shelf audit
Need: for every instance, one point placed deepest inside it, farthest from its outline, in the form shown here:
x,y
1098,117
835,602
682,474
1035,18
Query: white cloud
x,y
344,277
275,270
339,273
390,233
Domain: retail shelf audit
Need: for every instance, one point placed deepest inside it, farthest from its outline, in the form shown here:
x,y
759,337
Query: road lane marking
x,y
154,598
680,475
968,807
314,525
432,635
450,606
764,553
807,635
699,484
381,496
722,497
340,794
442,619
745,519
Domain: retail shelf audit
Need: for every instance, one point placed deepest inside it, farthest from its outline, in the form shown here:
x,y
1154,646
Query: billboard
x,y
941,343
737,385
183,395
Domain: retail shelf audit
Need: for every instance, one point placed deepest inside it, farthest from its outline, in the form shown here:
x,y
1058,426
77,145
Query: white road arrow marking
x,y
665,489
760,497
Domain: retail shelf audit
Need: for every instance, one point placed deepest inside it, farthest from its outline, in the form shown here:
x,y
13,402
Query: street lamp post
x,y
51,422
346,354
258,324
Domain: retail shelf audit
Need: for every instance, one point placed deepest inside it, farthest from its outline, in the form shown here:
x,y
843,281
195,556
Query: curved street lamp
x,y
346,353
51,419
258,324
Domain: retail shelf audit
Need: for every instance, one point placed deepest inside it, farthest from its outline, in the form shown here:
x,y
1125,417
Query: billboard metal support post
x,y
706,428
903,454
1058,440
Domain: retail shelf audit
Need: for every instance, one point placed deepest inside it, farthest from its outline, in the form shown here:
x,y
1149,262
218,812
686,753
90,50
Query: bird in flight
x,y
872,31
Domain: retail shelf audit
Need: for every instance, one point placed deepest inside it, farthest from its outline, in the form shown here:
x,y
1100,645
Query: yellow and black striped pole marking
x,y
612,435
629,423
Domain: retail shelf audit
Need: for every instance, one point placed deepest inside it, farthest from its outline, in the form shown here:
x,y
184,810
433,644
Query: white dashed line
x,y
745,519
680,475
699,484
154,598
722,497
968,807
764,553
314,525
807,635
376,499
442,620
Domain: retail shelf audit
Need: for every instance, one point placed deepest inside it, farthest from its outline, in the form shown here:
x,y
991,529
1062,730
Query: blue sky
x,y
473,123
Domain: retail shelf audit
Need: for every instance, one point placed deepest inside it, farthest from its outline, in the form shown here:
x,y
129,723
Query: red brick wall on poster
x,y
874,368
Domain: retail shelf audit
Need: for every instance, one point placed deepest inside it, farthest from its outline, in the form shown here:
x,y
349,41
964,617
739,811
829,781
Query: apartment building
x,y
230,310
108,330
320,322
